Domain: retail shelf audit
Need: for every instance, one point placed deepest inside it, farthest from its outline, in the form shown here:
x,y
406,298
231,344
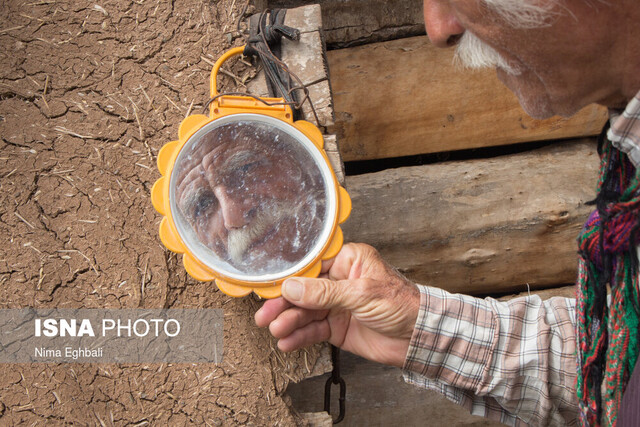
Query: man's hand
x,y
359,304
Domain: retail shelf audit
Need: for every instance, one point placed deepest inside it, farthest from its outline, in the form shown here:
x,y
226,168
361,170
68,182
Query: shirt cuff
x,y
452,340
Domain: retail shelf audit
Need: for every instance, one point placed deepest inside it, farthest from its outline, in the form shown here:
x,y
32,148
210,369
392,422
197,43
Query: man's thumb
x,y
314,293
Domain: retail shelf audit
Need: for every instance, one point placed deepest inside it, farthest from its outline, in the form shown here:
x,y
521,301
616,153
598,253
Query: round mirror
x,y
252,198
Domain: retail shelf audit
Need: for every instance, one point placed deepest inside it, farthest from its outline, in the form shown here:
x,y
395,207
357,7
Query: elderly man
x,y
249,191
528,361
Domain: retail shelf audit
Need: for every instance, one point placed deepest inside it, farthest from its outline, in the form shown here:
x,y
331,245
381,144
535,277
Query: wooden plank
x,y
405,97
355,22
480,226
317,419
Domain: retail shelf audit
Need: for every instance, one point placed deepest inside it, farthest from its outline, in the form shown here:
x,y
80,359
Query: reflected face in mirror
x,y
253,195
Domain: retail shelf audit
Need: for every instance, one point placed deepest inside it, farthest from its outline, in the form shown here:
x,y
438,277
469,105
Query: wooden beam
x,y
405,97
355,22
480,226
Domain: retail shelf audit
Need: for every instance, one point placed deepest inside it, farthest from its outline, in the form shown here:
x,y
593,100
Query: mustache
x,y
475,54
239,240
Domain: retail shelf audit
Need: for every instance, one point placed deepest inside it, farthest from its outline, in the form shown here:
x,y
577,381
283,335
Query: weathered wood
x,y
317,419
480,226
405,97
355,22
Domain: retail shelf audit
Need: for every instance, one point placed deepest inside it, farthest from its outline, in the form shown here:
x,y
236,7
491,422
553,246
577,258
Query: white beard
x,y
240,240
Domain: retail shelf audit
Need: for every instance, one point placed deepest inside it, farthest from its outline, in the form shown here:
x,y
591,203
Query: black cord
x,y
335,378
263,45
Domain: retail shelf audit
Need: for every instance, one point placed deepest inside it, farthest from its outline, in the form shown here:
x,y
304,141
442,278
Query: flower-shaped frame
x,y
225,106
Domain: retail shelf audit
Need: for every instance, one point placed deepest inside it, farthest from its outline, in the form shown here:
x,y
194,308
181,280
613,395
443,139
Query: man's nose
x,y
443,28
233,211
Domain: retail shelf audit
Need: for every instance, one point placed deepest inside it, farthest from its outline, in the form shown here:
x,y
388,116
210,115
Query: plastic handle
x,y
214,73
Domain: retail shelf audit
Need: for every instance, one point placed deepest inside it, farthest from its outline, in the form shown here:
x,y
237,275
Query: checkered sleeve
x,y
512,362
625,130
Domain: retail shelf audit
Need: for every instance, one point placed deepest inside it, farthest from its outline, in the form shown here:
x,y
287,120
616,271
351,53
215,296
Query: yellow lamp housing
x,y
248,195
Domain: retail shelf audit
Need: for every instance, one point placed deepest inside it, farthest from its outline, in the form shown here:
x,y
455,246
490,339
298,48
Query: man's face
x,y
257,201
556,68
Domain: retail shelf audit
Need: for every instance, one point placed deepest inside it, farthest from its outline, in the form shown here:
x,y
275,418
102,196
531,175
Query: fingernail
x,y
292,290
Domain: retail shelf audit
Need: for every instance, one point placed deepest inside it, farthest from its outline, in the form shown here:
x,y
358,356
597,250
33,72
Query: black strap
x,y
263,44
335,378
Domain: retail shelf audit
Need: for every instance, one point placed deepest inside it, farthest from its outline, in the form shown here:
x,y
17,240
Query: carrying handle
x,y
216,67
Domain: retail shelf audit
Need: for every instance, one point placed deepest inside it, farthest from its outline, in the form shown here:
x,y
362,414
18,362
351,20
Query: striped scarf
x,y
608,333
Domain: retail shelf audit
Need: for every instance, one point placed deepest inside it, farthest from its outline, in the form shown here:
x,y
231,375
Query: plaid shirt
x,y
514,361
625,130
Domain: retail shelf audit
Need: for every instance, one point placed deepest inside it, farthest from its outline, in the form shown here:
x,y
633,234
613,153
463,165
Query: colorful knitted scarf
x,y
608,333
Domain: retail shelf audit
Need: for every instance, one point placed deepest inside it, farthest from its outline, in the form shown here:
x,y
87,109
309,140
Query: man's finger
x,y
313,333
326,265
270,310
342,265
294,318
319,294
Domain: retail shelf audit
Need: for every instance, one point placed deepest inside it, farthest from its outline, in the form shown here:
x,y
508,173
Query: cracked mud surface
x,y
89,93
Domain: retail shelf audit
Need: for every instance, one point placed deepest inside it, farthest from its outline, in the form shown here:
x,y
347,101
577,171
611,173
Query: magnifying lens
x,y
248,195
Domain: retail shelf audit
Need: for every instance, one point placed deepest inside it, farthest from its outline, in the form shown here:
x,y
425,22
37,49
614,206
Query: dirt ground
x,y
89,92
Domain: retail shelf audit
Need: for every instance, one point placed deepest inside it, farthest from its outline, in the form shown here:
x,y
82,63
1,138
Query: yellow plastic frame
x,y
221,106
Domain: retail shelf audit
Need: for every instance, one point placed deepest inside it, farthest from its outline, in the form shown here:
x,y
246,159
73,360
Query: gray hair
x,y
524,13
